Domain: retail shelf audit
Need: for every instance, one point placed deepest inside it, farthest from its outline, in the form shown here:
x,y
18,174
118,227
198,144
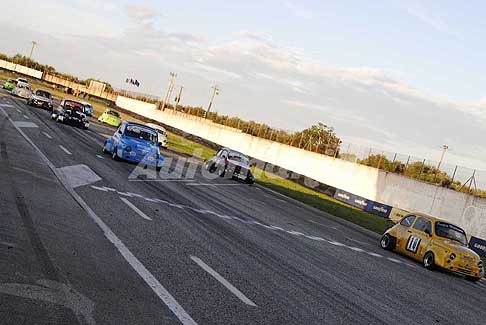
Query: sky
x,y
401,76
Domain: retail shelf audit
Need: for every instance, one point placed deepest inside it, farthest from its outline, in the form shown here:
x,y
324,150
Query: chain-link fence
x,y
441,173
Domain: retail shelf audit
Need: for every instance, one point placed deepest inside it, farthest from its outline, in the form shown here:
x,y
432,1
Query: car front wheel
x,y
429,260
114,155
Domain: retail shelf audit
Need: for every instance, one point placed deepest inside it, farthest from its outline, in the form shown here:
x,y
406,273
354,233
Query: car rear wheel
x,y
429,260
388,242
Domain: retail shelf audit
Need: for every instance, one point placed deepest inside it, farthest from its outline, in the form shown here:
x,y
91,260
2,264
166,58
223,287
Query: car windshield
x,y
114,113
23,80
43,93
74,106
140,132
238,157
88,107
449,231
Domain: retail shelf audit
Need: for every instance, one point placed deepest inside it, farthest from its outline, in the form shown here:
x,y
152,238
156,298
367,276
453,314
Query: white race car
x,y
161,133
22,90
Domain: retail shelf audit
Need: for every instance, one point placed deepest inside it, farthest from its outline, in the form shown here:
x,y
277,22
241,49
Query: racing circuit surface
x,y
98,247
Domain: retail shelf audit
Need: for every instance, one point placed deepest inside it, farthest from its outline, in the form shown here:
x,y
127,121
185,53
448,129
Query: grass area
x,y
323,202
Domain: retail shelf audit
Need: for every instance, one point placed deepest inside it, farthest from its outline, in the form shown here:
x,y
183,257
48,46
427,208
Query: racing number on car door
x,y
413,244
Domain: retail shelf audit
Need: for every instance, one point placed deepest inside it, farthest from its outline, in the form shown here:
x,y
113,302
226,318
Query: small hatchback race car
x,y
71,112
136,143
435,243
10,84
41,98
162,134
231,163
110,117
88,109
22,90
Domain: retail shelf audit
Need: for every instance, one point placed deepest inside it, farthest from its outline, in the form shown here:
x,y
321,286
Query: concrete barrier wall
x,y
20,69
371,183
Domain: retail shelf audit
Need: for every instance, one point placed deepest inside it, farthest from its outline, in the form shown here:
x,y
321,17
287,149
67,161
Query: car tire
x,y
472,278
114,155
388,242
429,260
158,169
212,168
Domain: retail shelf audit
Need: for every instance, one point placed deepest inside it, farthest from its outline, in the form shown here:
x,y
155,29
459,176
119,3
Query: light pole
x,y
178,98
34,43
173,75
215,92
444,149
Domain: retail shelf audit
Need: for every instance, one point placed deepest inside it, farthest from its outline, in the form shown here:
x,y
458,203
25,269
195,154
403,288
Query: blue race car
x,y
136,143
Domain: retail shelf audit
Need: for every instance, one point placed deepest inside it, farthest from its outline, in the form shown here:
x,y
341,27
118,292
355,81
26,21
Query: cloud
x,y
262,80
297,10
142,13
425,15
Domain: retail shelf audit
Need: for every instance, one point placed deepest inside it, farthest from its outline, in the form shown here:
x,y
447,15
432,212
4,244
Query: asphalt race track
x,y
83,240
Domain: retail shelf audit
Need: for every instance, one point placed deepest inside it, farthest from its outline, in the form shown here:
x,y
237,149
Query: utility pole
x,y
215,92
444,149
34,43
178,98
173,75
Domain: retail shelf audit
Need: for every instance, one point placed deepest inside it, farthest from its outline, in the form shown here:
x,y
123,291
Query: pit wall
x,y
20,69
363,181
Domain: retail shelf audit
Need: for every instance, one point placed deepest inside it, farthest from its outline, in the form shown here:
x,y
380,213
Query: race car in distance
x,y
435,243
71,112
232,163
10,84
41,98
110,117
162,134
136,143
88,109
22,90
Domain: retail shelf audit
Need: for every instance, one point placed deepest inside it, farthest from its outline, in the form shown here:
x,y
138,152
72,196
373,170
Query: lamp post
x,y
444,150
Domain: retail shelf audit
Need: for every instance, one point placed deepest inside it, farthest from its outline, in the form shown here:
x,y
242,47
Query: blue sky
x,y
403,76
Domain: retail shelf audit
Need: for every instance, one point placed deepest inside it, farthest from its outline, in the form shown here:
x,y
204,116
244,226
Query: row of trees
x,y
421,171
28,62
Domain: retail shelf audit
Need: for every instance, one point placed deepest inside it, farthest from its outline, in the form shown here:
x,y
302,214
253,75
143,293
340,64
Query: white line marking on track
x,y
374,254
26,117
223,281
394,260
65,150
211,184
18,110
134,208
6,105
47,135
145,274
318,223
100,157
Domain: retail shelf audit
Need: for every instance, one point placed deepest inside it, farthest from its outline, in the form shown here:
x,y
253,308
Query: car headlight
x,y
128,148
156,156
480,264
453,256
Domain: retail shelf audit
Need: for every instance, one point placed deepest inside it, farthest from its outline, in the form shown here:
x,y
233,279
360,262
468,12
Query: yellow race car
x,y
435,243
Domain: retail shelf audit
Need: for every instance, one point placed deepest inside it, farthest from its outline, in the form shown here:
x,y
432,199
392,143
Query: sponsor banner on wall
x,y
478,245
397,214
359,202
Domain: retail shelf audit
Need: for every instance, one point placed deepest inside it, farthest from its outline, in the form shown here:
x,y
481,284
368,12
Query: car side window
x,y
408,221
422,225
224,154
